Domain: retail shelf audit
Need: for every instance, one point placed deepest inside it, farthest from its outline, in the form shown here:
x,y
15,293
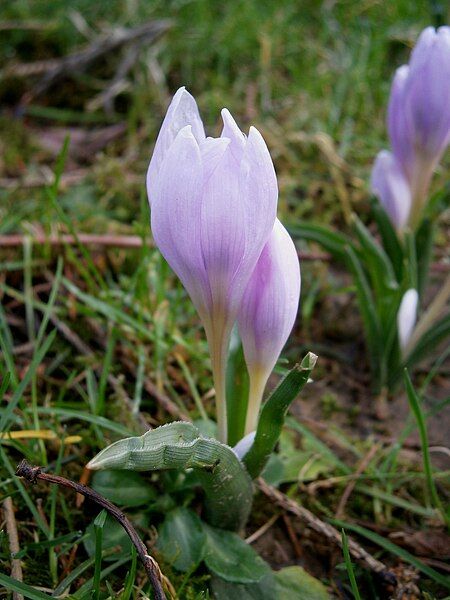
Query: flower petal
x,y
222,231
212,151
400,125
243,446
391,186
176,216
234,134
259,198
427,92
182,111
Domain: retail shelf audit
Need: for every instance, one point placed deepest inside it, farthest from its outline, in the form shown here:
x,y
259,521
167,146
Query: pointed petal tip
x,y
232,131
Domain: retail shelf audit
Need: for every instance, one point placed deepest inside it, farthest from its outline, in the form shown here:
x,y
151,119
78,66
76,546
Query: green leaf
x,y
273,413
179,445
69,413
389,238
369,316
332,241
291,583
182,539
113,535
318,446
229,557
273,472
424,250
294,583
387,293
237,390
299,465
375,260
416,409
261,590
125,488
22,588
411,273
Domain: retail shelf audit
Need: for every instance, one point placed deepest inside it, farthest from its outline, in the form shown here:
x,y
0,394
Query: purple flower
x,y
392,188
406,317
213,207
419,114
268,312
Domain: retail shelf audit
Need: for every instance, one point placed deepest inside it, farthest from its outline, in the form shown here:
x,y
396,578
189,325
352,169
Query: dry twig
x,y
11,528
32,474
351,484
55,69
328,531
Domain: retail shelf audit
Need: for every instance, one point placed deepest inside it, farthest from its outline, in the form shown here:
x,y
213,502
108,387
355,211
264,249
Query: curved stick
x,y
32,474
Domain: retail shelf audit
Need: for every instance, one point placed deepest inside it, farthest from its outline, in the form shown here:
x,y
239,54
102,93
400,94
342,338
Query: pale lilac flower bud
x,y
268,312
213,206
419,113
406,317
244,445
391,186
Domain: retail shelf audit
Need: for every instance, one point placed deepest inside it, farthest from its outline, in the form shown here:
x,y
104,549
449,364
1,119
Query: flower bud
x,y
406,317
268,312
419,113
391,186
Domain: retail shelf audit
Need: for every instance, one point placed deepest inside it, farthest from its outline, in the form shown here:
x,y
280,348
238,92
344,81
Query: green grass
x,y
295,70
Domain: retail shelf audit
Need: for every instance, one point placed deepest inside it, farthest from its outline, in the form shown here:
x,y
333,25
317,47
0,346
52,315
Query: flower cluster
x,y
213,216
419,129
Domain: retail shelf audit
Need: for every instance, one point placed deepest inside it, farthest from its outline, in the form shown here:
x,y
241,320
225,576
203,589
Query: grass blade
x,y
394,549
348,564
99,523
37,359
414,403
22,588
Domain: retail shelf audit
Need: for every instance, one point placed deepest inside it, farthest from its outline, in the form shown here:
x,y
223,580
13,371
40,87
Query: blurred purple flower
x,y
419,118
213,207
391,186
268,312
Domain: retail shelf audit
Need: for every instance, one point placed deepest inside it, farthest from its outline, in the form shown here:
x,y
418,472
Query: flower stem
x,y
258,380
218,335
420,186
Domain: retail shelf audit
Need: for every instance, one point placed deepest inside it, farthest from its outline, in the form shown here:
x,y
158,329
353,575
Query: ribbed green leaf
x,y
179,445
